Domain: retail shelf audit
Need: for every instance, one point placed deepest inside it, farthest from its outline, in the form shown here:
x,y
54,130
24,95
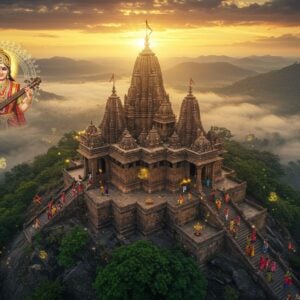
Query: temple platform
x,y
139,210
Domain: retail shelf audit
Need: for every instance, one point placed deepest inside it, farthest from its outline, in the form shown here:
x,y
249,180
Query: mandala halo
x,y
24,67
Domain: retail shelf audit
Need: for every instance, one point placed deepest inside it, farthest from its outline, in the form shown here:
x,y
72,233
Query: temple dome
x,y
174,141
153,139
201,144
92,137
127,142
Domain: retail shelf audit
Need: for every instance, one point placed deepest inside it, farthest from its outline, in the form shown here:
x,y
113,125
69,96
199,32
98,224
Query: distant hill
x,y
205,74
280,88
43,95
260,64
63,67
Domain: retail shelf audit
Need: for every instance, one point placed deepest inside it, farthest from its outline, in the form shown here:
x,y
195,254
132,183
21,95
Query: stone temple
x,y
160,171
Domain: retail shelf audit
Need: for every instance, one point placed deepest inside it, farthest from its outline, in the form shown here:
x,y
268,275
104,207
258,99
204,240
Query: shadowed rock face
x,y
223,272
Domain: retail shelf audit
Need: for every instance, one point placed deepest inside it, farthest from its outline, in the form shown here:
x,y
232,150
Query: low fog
x,y
48,120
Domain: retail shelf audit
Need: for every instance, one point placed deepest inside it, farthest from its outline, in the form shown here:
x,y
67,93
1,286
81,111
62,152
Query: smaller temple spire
x,y
190,86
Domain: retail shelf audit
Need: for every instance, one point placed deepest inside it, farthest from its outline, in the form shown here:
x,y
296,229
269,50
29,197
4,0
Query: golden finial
x,y
147,34
190,86
112,79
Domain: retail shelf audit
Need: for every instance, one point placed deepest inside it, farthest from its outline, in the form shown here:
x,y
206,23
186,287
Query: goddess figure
x,y
11,115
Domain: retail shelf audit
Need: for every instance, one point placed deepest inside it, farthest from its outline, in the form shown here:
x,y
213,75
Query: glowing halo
x,y
23,67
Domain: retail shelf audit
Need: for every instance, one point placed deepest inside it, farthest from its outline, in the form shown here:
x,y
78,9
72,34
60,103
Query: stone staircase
x,y
276,286
29,229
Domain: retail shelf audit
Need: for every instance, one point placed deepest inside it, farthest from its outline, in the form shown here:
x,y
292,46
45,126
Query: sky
x,y
114,28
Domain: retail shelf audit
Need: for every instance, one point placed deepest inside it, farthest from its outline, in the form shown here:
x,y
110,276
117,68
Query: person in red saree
x,y
11,115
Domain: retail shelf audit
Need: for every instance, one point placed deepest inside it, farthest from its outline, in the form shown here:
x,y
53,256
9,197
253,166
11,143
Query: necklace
x,y
3,86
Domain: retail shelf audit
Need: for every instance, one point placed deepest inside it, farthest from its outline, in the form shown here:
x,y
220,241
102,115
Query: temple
x,y
144,134
146,172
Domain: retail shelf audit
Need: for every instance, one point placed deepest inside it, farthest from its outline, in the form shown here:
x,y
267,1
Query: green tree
x,y
230,293
145,271
71,246
47,290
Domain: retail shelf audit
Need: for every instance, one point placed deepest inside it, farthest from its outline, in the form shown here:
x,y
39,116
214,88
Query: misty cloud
x,y
49,120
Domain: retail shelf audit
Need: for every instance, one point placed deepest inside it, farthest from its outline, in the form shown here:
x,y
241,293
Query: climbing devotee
x,y
237,221
253,234
226,214
80,188
252,250
102,190
231,225
37,223
180,199
212,195
262,263
265,247
106,190
291,247
218,204
74,191
289,296
290,279
208,182
53,210
49,214
63,197
269,276
267,262
37,199
247,249
273,266
50,203
226,198
285,282
234,231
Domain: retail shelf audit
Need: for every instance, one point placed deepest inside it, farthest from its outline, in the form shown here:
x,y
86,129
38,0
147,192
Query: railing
x,y
283,264
42,210
253,270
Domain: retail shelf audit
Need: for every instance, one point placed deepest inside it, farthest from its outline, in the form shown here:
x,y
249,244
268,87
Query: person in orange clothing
x,y
218,204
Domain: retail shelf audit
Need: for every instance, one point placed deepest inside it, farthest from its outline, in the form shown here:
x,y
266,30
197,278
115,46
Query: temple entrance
x,y
101,166
192,171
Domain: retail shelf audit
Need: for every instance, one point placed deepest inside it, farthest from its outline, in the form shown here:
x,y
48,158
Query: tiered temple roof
x,y
189,122
113,123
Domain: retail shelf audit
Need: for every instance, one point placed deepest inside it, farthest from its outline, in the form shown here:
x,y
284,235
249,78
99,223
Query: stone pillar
x,y
85,167
94,168
213,167
199,179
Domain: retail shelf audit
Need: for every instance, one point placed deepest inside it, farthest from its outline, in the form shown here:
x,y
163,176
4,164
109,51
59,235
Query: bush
x,y
25,180
47,290
71,245
230,293
145,271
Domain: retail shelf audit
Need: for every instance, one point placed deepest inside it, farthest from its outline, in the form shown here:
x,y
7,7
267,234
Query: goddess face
x,y
4,71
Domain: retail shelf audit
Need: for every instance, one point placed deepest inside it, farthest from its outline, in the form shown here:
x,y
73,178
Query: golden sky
x,y
86,29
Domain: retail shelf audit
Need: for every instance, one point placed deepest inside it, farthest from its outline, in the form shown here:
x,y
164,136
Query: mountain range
x,y
207,74
280,88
